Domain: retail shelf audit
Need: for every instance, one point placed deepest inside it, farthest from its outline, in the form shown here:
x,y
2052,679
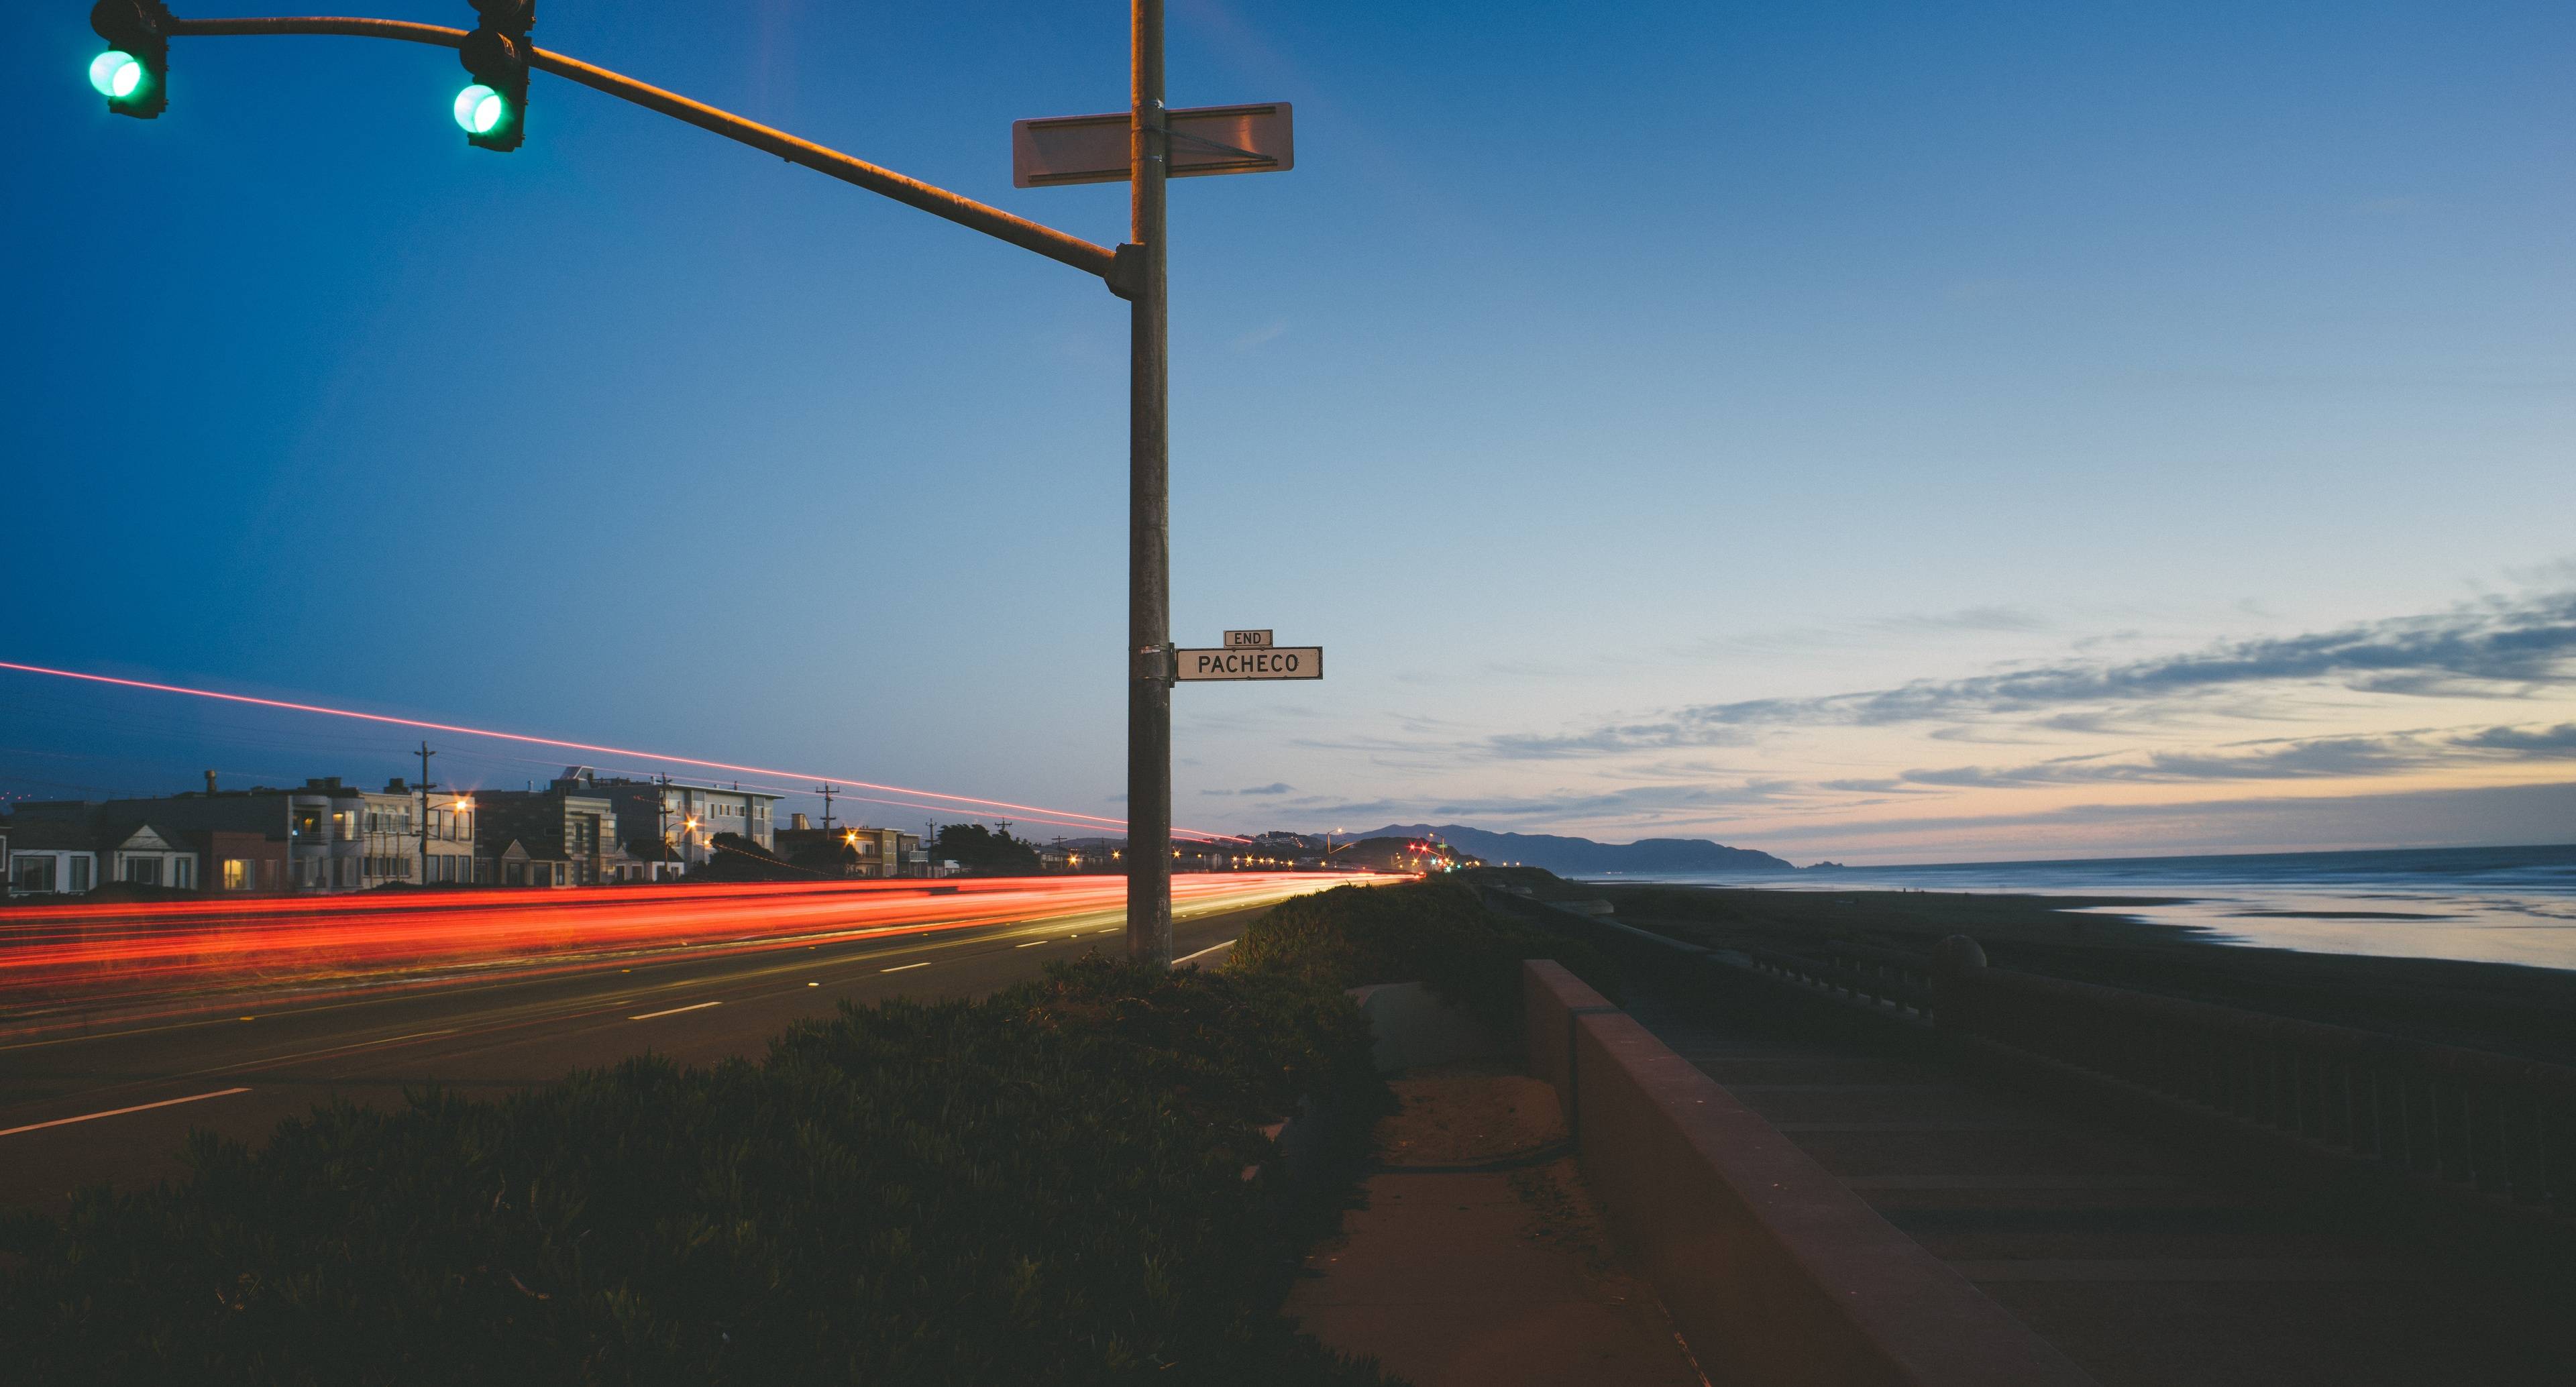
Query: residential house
x,y
51,856
321,837
660,820
850,850
562,835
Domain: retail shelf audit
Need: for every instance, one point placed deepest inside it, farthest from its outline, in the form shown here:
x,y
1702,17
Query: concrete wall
x,y
1774,1272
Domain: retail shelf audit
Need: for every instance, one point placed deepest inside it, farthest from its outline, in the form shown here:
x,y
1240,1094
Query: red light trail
x,y
1067,817
171,956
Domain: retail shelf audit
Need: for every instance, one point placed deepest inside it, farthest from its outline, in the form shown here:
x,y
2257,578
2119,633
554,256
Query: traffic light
x,y
134,73
493,110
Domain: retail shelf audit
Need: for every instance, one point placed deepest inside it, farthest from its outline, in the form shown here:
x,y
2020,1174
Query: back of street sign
x,y
1205,140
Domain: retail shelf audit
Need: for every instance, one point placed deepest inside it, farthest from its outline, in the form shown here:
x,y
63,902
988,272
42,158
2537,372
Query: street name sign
x,y
1247,640
1259,662
1055,150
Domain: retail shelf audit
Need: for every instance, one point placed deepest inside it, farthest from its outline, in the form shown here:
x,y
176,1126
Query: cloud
x,y
2305,758
2494,648
2484,814
1276,787
1989,618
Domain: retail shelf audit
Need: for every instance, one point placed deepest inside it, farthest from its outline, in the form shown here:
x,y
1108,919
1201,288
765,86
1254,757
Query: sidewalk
x,y
1479,1258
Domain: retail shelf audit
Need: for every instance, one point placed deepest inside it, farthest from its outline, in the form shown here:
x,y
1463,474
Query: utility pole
x,y
827,789
425,788
490,112
662,818
1149,511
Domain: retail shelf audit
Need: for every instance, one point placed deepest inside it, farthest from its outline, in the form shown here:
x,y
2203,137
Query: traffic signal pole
x,y
1135,272
1149,556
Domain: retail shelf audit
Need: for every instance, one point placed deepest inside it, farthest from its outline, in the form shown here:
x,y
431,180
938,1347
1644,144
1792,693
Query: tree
x,y
981,850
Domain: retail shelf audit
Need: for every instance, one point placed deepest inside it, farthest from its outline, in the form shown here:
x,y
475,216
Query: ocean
x,y
2490,905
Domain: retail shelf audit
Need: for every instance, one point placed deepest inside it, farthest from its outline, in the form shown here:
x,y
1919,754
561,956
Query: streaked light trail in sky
x,y
1069,817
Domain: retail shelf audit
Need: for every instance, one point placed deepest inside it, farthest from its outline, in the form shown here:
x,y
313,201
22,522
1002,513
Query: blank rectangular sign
x,y
1276,662
1205,140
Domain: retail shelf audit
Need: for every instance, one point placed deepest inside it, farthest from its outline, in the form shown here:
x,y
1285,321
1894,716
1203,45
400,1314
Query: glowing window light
x,y
116,74
478,109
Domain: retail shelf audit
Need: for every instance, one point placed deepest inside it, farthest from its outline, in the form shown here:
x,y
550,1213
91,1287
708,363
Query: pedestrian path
x,y
2139,1264
1479,1260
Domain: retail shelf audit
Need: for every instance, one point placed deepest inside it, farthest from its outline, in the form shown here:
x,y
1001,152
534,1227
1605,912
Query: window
x,y
308,823
514,873
35,873
82,865
183,873
236,873
344,824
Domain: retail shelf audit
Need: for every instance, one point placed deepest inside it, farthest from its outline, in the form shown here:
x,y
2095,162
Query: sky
x,y
1873,432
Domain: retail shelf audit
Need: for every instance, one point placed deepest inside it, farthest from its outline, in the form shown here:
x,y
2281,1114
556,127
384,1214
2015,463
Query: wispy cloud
x,y
1260,336
2305,758
1276,787
1988,618
2494,648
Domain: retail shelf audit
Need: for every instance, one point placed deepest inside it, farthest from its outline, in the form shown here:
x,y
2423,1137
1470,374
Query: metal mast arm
x,y
912,192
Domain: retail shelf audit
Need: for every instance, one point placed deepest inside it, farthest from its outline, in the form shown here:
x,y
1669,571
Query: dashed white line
x,y
120,1112
923,964
674,1011
1029,945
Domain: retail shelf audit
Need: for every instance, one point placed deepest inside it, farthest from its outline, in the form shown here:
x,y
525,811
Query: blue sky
x,y
1595,369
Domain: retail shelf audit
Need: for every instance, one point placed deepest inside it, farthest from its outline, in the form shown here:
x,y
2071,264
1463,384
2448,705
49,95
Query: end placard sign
x,y
1250,662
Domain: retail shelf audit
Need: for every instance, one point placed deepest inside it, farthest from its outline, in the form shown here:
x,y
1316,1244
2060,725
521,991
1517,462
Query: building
x,y
562,835
664,820
321,837
51,856
851,850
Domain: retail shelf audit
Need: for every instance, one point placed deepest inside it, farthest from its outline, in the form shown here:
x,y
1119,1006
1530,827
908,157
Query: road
x,y
115,1102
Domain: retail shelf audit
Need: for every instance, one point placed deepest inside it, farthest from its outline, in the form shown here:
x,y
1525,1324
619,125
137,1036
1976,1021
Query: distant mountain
x,y
1583,857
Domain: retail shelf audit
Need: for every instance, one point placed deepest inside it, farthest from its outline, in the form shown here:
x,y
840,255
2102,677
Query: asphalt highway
x,y
115,1104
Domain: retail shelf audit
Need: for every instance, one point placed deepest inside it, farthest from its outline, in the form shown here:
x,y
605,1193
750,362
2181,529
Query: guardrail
x,y
2467,1119
2442,1117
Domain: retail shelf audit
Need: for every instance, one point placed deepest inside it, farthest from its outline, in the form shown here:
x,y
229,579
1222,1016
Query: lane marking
x,y
923,964
120,1112
1029,945
327,1052
1212,948
674,1011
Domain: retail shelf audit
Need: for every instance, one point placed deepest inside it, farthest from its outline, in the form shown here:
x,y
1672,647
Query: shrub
x,y
1435,932
1044,1186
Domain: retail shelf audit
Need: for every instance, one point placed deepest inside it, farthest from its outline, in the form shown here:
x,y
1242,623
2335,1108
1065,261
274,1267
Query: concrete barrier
x,y
1773,1271
1551,997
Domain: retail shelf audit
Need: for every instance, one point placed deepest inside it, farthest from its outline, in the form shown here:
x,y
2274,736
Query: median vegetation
x,y
1056,1184
1438,933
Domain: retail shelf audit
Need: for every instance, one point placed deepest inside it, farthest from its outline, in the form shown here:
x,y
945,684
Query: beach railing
x,y
2460,1120
2468,1119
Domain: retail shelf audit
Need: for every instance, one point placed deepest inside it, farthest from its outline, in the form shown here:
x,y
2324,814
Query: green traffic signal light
x,y
117,74
479,109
